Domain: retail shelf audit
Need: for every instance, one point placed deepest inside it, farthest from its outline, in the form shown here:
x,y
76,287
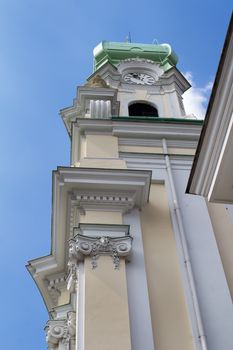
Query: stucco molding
x,y
150,131
67,181
81,105
115,247
94,240
55,284
139,65
61,332
104,200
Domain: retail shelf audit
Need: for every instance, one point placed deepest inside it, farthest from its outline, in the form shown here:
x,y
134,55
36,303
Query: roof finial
x,y
128,38
155,41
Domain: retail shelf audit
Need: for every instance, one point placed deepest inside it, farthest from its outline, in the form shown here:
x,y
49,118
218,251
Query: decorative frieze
x,y
96,200
116,247
60,334
80,201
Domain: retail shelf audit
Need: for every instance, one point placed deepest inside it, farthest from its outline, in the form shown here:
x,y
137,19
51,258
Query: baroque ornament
x,y
72,278
116,247
61,332
54,286
97,82
137,59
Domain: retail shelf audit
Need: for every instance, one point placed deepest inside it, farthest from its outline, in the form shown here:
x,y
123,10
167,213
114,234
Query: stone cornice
x,y
173,75
115,190
157,129
104,200
85,94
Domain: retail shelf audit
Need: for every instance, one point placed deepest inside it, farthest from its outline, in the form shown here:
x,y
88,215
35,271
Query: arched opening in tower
x,y
141,109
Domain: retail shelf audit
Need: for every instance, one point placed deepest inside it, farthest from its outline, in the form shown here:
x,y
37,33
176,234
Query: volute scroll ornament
x,y
61,332
115,247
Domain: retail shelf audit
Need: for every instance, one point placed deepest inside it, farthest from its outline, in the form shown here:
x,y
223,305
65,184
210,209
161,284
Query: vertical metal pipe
x,y
185,252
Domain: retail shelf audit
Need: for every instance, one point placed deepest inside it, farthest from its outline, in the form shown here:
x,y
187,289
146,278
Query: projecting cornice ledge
x,y
148,127
90,180
76,190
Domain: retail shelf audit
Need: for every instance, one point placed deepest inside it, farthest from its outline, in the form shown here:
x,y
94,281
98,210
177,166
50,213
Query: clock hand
x,y
137,81
140,76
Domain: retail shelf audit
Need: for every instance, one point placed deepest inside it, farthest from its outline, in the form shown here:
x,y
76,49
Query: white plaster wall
x,y
229,208
213,293
139,308
166,103
212,289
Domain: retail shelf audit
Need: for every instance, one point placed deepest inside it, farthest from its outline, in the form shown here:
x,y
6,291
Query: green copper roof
x,y
141,119
114,52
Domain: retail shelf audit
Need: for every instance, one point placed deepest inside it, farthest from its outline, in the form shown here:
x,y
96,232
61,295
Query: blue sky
x,y
45,52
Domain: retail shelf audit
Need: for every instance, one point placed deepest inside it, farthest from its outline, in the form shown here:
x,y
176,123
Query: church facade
x,y
134,262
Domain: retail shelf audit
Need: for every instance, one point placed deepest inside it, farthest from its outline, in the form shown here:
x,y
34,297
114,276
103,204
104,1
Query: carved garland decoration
x,y
94,247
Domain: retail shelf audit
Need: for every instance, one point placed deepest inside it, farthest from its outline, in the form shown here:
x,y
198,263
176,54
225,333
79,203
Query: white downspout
x,y
185,253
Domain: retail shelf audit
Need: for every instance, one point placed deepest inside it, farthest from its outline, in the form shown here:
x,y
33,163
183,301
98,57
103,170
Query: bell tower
x,y
128,256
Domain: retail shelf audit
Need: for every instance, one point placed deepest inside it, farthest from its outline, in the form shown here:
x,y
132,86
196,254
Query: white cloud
x,y
196,98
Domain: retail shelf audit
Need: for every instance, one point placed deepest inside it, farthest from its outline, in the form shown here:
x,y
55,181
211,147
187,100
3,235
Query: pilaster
x,y
103,250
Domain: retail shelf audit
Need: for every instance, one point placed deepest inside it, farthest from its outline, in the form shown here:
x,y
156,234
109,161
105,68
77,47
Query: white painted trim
x,y
216,132
147,130
67,181
80,312
138,298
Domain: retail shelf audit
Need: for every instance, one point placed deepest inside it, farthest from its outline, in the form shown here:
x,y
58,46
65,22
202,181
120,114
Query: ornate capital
x,y
72,278
61,331
116,247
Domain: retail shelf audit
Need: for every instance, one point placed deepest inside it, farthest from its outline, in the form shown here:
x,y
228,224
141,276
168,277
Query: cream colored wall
x,y
223,230
102,163
169,314
83,146
102,151
100,217
101,146
64,298
106,306
106,325
106,315
99,151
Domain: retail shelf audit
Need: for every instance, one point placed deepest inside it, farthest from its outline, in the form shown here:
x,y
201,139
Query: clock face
x,y
139,78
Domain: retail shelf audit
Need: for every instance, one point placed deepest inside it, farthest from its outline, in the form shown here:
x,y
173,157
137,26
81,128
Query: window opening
x,y
140,109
